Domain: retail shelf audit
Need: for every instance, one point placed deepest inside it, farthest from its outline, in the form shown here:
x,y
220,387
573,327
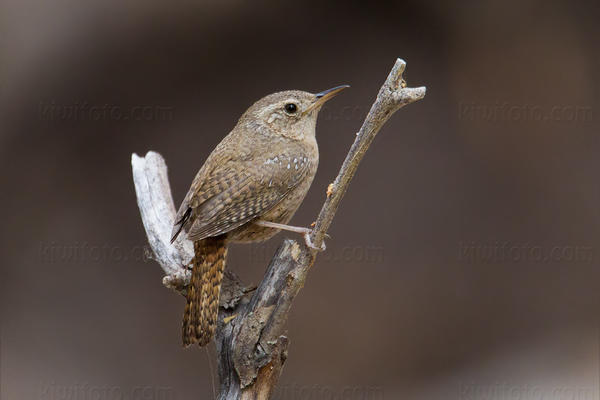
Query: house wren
x,y
247,190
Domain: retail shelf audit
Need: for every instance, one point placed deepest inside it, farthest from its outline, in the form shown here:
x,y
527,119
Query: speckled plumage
x,y
261,170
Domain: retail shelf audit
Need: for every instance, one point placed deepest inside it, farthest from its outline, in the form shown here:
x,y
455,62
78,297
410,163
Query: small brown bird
x,y
247,190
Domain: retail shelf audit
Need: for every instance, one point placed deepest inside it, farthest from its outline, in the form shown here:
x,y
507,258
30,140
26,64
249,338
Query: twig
x,y
251,346
392,96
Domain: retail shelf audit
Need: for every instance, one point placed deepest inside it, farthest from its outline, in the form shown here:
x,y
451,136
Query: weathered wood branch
x,y
251,341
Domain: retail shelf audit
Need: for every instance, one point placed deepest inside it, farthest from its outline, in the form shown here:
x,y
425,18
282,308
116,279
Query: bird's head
x,y
292,113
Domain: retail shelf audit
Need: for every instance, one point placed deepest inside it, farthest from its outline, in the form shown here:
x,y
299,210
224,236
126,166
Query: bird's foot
x,y
311,245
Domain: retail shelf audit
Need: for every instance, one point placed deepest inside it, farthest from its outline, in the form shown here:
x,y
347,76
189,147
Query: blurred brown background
x,y
464,258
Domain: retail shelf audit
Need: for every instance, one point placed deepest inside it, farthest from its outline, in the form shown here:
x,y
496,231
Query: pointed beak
x,y
322,97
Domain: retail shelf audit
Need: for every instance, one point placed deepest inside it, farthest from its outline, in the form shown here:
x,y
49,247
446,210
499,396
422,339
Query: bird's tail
x,y
202,308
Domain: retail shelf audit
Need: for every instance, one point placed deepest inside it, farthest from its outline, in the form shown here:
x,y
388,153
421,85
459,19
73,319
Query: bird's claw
x,y
311,245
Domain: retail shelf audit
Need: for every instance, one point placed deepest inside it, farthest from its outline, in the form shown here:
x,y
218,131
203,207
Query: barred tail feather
x,y
202,308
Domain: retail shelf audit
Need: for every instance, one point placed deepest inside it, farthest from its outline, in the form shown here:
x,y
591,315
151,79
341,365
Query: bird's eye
x,y
291,108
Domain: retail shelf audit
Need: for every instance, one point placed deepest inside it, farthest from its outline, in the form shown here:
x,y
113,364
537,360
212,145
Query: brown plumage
x,y
260,171
202,306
